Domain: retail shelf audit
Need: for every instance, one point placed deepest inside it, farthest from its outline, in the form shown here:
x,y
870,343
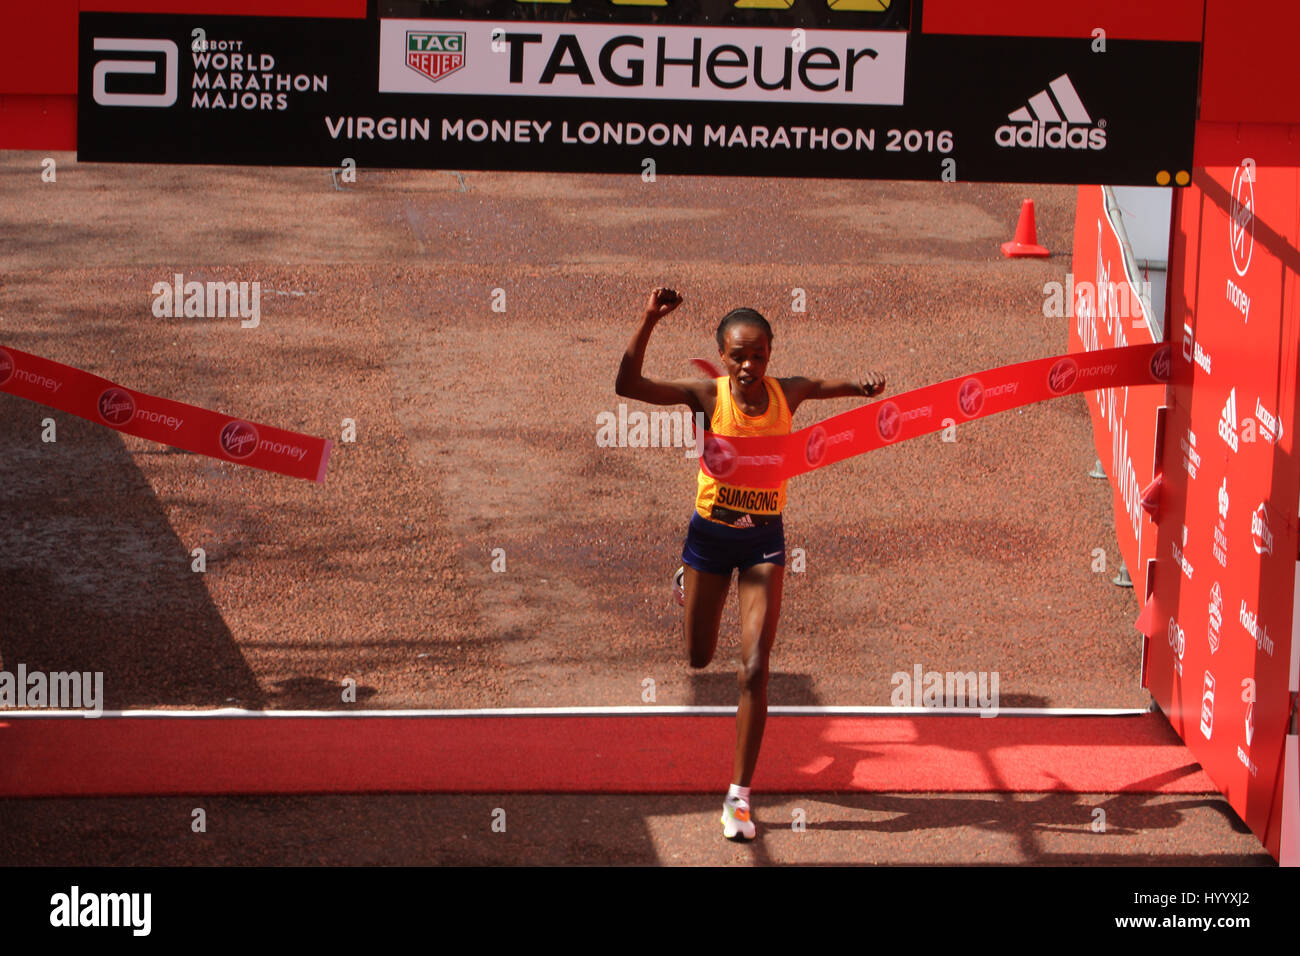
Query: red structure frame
x,y
1248,108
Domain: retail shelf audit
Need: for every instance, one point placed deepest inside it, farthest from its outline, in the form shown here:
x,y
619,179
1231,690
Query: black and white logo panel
x,y
549,93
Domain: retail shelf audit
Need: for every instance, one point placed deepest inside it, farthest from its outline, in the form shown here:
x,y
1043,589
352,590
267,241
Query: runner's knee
x,y
752,676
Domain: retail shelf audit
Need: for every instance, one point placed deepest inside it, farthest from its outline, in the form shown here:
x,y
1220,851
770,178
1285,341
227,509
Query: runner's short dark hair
x,y
743,317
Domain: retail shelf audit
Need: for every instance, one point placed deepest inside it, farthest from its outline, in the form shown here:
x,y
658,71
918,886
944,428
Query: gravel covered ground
x,y
476,432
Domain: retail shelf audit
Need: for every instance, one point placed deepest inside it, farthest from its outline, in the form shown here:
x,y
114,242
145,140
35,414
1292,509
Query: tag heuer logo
x,y
435,55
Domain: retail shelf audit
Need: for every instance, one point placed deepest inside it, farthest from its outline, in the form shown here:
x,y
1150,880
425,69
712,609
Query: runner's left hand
x,y
873,383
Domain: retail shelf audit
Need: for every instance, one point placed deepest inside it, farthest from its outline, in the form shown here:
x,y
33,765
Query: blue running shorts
x,y
718,548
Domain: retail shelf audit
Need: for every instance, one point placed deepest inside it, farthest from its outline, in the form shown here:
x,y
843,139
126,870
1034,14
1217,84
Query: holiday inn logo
x,y
435,55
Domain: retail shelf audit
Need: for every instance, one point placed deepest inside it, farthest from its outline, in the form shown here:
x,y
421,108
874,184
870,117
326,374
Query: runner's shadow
x,y
314,693
93,578
714,689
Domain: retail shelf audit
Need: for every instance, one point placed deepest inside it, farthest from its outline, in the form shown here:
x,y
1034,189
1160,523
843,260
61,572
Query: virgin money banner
x,y
594,86
1223,659
160,419
765,462
1108,309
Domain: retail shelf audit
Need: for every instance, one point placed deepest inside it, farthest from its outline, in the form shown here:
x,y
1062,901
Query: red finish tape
x,y
162,420
767,461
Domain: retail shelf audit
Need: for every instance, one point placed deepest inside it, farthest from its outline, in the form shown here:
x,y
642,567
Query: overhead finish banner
x,y
687,90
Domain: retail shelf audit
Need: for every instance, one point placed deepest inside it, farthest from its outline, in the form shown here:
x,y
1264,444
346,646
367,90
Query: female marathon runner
x,y
734,528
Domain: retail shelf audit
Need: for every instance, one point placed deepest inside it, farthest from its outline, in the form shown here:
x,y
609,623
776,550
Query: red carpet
x,y
50,756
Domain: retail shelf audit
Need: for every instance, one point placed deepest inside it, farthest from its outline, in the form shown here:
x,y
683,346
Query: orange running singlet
x,y
726,504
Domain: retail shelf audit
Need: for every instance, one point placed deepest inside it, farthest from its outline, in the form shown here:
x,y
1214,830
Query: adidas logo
x,y
1054,118
1228,420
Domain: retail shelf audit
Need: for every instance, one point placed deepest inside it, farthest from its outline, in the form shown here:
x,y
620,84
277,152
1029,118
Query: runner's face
x,y
745,354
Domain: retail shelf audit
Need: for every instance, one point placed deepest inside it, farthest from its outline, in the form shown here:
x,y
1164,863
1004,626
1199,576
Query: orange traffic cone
x,y
1026,241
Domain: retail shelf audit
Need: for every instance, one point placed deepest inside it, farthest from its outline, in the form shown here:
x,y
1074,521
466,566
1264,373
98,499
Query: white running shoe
x,y
679,586
736,823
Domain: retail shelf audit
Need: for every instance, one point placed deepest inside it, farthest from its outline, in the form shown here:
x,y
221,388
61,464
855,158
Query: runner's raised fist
x,y
661,302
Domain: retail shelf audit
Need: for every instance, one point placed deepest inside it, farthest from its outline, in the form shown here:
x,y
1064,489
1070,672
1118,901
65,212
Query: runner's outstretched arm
x,y
799,389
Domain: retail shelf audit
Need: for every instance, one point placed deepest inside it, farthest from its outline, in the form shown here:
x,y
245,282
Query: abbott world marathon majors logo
x,y
6,367
227,74
144,61
1053,118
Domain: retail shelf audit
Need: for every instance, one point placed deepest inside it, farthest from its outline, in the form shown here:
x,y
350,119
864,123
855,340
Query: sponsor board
x,y
784,92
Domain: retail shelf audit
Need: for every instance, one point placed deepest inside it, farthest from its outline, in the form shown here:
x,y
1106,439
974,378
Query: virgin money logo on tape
x,y
239,439
116,407
642,61
815,448
720,456
1160,362
1261,536
6,366
1053,118
1062,375
888,421
970,397
435,55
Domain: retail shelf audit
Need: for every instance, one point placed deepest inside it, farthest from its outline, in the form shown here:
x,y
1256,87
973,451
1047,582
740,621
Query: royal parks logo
x,y
435,55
